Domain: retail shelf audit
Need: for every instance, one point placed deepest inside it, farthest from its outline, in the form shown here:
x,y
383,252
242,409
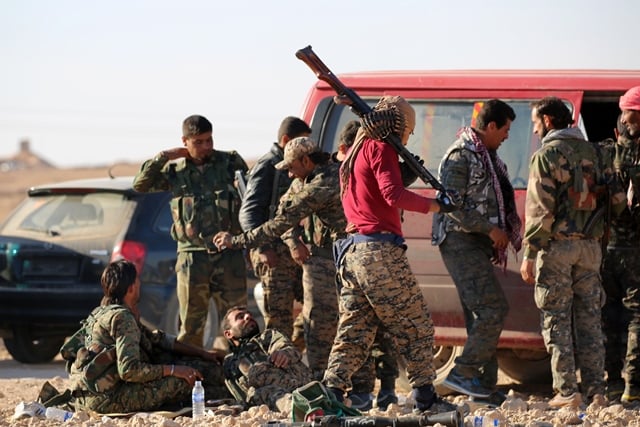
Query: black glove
x,y
447,202
408,175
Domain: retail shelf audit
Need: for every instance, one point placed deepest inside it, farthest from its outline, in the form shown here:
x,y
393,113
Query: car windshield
x,y
70,215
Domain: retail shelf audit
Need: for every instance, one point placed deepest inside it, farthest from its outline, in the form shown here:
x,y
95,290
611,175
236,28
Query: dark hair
x,y
116,279
348,133
196,125
226,323
555,109
319,157
293,127
496,111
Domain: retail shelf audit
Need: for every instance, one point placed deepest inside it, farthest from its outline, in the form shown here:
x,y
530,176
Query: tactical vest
x,y
205,202
237,364
93,366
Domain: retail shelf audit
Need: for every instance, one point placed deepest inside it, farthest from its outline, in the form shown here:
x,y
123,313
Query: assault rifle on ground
x,y
361,108
448,419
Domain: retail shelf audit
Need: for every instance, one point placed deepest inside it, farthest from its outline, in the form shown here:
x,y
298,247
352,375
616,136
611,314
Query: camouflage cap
x,y
296,149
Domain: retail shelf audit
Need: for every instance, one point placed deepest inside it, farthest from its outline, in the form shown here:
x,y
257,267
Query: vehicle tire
x,y
211,329
25,348
526,366
443,359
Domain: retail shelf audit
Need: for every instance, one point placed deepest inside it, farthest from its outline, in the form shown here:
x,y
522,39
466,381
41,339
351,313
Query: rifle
x,y
448,419
361,108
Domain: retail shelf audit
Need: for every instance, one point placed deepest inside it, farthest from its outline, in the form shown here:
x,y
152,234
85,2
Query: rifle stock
x,y
361,108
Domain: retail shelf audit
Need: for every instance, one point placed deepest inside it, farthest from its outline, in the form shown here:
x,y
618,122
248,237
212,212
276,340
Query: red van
x,y
444,101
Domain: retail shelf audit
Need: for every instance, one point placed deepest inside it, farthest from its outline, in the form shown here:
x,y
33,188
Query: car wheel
x,y
211,329
25,348
526,366
443,360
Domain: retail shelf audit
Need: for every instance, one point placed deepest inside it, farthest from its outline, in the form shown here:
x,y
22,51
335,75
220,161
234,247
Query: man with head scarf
x,y
621,270
475,237
377,283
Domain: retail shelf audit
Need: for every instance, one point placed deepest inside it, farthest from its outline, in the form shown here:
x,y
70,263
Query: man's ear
x,y
184,141
227,334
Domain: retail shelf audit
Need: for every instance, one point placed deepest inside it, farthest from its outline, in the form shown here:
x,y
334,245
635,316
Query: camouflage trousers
x,y
568,292
201,276
154,395
621,313
272,387
378,286
382,363
281,285
468,260
319,311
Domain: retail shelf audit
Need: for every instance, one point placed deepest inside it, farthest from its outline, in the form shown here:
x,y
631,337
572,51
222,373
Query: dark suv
x,y
54,247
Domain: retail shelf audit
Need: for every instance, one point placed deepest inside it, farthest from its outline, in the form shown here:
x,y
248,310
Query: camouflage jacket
x,y
462,169
205,199
568,180
625,228
112,346
249,374
319,195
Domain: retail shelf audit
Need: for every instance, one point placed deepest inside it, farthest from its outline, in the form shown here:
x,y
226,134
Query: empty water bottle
x,y
485,421
57,414
197,400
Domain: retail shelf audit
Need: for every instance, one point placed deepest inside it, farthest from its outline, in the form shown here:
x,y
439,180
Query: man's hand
x,y
445,203
526,271
222,240
300,253
176,153
214,355
268,257
499,237
280,359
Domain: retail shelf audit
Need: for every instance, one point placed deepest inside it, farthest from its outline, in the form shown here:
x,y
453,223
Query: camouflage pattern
x,y
567,177
204,202
467,252
462,170
320,311
319,195
579,174
467,257
382,363
252,378
201,276
279,286
137,383
621,271
569,294
280,283
377,282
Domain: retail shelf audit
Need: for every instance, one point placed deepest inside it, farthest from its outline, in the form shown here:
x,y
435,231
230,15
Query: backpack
x,y
313,399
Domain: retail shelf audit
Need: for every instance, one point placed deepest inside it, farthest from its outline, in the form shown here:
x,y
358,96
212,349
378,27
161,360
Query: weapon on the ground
x,y
448,419
361,108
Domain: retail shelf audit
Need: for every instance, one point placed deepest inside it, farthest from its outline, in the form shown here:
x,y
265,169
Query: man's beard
x,y
249,330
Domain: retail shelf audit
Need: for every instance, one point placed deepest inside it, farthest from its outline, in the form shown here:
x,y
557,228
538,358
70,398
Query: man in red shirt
x,y
377,281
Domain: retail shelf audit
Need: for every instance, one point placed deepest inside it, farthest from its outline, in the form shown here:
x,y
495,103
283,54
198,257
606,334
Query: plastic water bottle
x,y
485,421
57,414
197,400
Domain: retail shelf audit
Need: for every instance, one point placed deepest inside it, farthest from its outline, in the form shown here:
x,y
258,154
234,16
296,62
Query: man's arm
x,y
151,176
540,205
257,197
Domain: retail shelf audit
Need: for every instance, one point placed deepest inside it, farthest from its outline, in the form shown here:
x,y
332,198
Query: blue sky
x,y
91,83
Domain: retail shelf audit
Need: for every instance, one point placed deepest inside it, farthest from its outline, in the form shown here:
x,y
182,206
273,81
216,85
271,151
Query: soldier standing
x,y
315,194
262,368
204,202
377,282
280,276
473,238
566,176
621,273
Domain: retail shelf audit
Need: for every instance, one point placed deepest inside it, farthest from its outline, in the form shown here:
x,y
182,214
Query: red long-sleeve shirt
x,y
375,194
